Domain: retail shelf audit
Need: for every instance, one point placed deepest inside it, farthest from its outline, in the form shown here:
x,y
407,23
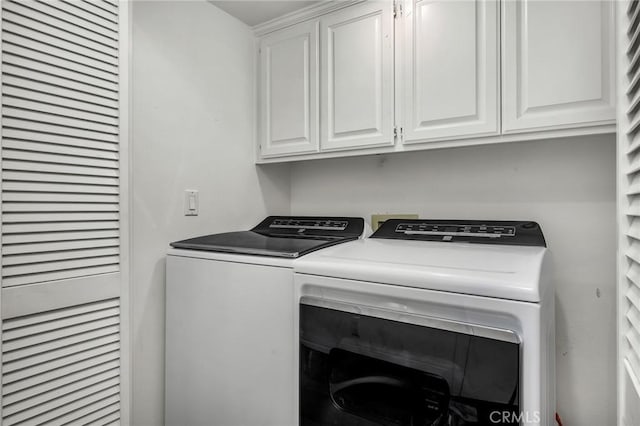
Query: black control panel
x,y
324,224
521,233
311,226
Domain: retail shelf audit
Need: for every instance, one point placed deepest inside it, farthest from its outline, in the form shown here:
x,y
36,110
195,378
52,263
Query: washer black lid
x,y
281,236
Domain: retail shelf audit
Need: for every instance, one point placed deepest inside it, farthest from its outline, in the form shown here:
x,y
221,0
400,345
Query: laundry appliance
x,y
428,322
229,320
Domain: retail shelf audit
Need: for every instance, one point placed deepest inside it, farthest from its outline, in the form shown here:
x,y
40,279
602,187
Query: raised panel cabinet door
x,y
289,91
558,64
357,77
450,69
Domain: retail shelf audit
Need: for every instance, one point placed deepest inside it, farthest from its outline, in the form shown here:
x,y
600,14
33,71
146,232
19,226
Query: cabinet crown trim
x,y
301,15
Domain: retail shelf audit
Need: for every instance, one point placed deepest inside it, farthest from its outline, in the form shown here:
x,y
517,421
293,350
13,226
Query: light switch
x,y
191,202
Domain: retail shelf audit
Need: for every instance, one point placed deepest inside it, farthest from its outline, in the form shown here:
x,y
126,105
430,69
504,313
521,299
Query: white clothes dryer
x,y
428,322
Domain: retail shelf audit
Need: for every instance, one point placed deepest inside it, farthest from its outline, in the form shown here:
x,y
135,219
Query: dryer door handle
x,y
369,380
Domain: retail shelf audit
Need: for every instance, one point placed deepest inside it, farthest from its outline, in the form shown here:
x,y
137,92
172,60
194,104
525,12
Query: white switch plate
x,y
191,202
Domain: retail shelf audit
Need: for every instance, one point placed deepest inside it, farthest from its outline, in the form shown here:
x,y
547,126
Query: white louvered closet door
x,y
64,240
629,212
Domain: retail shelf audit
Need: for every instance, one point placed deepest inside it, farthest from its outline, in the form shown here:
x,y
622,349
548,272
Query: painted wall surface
x,y
192,129
567,185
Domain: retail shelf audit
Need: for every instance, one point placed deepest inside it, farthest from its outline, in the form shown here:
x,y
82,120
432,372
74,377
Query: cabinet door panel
x,y
289,90
558,64
451,69
357,77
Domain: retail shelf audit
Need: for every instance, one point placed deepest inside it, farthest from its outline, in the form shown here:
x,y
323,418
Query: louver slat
x,y
62,67
57,207
58,217
43,107
57,375
633,253
104,4
635,60
40,44
45,400
33,345
82,23
47,386
42,74
32,324
59,236
61,366
75,8
634,207
58,246
17,56
107,416
21,145
94,9
27,166
633,127
42,34
83,347
52,364
43,267
52,197
28,135
46,156
64,405
24,59
59,187
63,94
633,293
633,337
57,129
633,43
36,116
634,189
83,271
66,26
634,20
633,85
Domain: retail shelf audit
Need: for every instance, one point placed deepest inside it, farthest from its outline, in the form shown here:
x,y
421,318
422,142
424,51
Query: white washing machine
x,y
428,322
229,321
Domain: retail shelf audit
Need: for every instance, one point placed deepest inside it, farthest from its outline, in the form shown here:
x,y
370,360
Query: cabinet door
x,y
357,77
450,69
558,64
289,91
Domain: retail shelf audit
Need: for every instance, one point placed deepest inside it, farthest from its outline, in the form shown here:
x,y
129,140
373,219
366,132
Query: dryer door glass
x,y
363,370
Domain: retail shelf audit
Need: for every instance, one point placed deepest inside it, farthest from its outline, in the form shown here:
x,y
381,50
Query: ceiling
x,y
257,12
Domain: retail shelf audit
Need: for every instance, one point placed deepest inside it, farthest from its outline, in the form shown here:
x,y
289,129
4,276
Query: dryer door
x,y
364,370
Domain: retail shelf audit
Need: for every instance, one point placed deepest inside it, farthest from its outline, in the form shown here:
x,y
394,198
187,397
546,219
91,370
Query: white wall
x,y
192,129
192,114
567,185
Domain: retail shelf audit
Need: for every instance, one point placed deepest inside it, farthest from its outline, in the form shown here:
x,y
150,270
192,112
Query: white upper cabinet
x,y
558,64
450,69
360,76
356,84
289,91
